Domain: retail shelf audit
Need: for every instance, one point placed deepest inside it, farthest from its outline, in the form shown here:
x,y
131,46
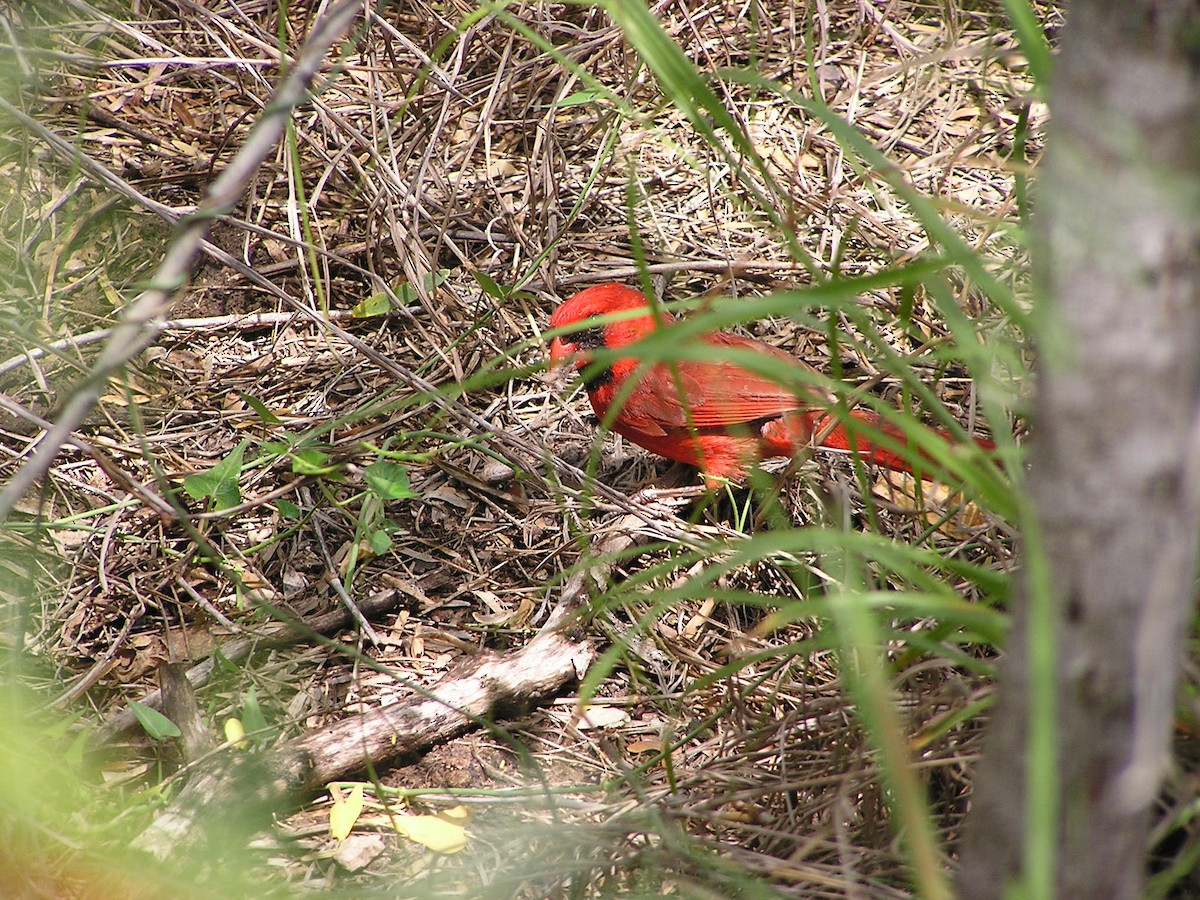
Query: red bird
x,y
714,415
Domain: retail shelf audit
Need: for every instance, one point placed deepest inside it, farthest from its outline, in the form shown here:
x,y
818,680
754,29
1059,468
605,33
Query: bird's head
x,y
601,300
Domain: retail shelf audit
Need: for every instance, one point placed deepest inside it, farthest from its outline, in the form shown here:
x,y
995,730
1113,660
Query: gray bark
x,y
1115,462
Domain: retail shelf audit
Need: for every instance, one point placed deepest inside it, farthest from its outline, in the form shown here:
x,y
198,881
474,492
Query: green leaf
x,y
407,294
579,98
381,304
260,409
489,286
220,483
311,461
153,722
380,542
389,480
287,509
253,719
376,305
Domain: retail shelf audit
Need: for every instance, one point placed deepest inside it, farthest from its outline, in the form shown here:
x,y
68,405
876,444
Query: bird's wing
x,y
712,394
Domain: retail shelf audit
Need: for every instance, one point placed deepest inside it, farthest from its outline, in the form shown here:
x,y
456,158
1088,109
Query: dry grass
x,y
438,152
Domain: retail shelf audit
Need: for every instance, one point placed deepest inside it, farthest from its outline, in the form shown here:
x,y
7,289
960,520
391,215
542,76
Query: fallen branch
x,y
249,791
246,794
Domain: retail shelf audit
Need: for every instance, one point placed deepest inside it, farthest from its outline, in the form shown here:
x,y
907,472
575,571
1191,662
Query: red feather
x,y
712,414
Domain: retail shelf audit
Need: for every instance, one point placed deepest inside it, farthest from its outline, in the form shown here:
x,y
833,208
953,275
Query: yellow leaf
x,y
435,833
458,815
934,500
644,746
235,733
344,812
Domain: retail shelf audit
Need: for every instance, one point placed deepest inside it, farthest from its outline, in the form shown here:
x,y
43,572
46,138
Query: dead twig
x,y
240,648
488,685
138,329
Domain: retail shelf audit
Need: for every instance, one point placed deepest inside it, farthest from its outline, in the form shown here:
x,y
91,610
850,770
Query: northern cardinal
x,y
714,415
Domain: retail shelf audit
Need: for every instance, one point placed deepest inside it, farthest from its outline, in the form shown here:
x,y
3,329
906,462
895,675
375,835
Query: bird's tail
x,y
829,432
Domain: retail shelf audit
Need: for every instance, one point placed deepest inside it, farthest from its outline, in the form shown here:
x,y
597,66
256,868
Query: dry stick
x,y
260,785
248,321
103,460
483,687
137,329
519,452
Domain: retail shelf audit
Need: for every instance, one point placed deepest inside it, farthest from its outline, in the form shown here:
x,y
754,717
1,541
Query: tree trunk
x,y
1115,463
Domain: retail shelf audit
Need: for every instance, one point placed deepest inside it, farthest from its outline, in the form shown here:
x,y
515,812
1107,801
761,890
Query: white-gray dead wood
x,y
242,796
